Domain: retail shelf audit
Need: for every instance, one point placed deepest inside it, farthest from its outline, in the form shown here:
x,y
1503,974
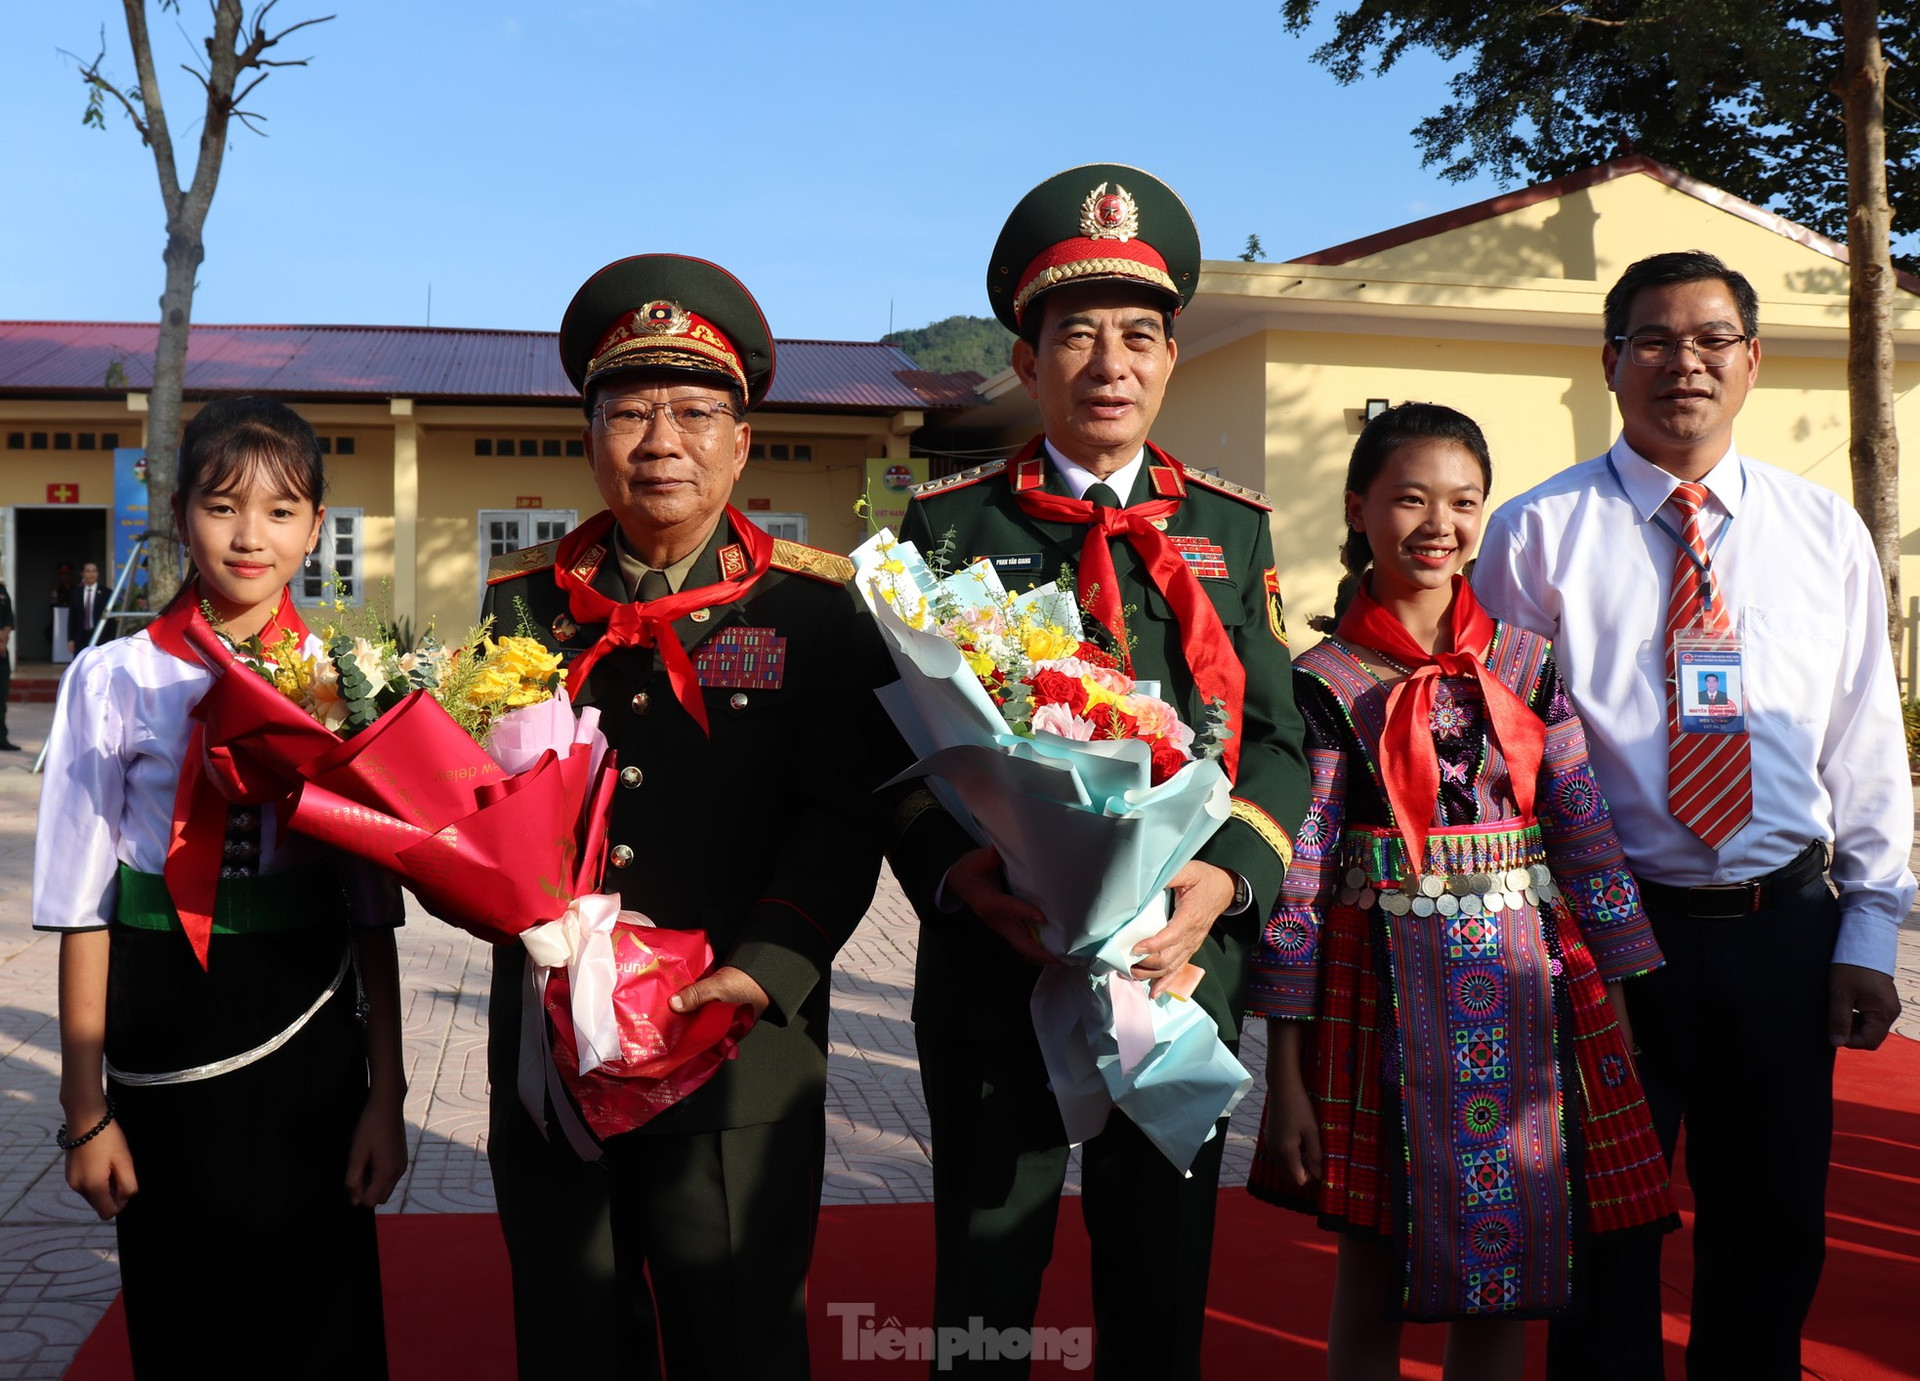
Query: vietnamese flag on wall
x,y
63,493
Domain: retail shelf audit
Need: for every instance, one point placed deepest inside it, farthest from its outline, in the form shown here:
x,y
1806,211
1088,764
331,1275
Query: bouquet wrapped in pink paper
x,y
506,842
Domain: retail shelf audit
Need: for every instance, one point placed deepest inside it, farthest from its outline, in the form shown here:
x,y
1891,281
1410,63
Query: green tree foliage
x,y
1740,94
1254,249
959,343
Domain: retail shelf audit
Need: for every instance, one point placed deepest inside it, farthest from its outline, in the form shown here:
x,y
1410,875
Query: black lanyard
x,y
1701,563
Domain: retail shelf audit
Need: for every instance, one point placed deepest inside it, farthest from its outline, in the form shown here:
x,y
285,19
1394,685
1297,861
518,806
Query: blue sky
x,y
841,158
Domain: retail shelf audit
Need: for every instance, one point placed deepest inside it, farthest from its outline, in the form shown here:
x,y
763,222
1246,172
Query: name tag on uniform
x,y
1203,558
1019,563
1710,676
742,659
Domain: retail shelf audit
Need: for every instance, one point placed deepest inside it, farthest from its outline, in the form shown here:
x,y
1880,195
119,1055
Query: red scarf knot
x,y
649,623
197,842
1215,666
1409,761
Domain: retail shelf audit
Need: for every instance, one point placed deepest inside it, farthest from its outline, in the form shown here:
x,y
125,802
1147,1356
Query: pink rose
x,y
1104,677
1158,719
1063,722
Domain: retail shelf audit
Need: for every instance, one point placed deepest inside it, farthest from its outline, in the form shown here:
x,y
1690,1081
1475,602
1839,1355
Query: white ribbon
x,y
581,941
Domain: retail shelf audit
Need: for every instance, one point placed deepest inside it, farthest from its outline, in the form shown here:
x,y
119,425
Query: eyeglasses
x,y
689,416
1654,350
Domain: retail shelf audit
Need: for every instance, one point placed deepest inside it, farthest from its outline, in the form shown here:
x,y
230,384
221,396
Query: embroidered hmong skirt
x,y
1475,1093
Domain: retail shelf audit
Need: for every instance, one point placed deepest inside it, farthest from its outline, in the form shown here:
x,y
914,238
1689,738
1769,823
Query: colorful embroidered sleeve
x,y
1285,977
1582,848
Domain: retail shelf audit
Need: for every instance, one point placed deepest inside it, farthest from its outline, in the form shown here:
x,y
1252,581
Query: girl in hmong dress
x,y
246,1124
1449,1077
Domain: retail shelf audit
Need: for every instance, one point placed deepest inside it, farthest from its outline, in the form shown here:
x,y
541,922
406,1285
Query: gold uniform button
x,y
622,856
631,776
738,700
642,703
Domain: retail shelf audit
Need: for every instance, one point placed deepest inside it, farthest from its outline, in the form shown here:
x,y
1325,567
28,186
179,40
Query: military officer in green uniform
x,y
734,676
1176,568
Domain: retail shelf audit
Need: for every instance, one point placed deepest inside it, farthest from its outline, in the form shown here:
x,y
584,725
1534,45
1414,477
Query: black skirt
x,y
240,1255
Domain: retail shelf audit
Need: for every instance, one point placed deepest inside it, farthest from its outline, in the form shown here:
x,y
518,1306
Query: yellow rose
x,y
1048,644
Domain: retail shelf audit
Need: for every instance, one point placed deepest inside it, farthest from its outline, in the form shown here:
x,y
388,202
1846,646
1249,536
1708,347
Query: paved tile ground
x,y
57,1265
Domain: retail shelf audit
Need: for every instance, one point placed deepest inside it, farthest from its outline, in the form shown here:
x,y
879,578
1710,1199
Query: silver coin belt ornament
x,y
1466,875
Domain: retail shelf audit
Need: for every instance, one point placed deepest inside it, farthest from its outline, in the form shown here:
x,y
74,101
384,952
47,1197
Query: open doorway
x,y
46,537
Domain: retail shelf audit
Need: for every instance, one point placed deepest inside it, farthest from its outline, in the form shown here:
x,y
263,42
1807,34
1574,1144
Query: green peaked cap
x,y
667,312
1097,221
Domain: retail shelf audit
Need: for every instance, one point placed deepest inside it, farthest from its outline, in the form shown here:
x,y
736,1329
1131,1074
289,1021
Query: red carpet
x,y
1272,1277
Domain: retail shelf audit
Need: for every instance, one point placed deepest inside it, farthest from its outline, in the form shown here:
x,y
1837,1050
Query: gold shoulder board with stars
x,y
1238,491
805,560
509,564
959,481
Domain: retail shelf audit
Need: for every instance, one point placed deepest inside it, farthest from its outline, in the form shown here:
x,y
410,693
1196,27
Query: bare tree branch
x,y
90,73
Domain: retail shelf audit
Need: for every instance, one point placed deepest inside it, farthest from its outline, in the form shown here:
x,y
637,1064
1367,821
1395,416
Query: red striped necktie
x,y
1709,776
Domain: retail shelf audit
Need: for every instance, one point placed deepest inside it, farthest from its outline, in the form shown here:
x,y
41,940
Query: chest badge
x,y
564,628
1203,558
742,659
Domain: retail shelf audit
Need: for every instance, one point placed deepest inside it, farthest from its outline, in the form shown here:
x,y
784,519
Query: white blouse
x,y
120,734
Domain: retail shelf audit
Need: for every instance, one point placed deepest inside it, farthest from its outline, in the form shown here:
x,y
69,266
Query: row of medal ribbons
x,y
1450,894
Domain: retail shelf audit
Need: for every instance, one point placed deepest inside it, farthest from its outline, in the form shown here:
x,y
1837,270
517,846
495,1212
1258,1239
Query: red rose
x,y
1167,760
1110,721
1057,688
1093,656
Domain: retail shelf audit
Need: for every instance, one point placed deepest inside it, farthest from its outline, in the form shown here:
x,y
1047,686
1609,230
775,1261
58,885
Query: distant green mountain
x,y
978,343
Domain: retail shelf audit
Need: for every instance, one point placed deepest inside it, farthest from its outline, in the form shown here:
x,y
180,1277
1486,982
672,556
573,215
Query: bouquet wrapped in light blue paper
x,y
1088,786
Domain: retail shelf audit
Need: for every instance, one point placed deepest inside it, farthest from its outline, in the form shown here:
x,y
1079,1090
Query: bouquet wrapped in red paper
x,y
505,842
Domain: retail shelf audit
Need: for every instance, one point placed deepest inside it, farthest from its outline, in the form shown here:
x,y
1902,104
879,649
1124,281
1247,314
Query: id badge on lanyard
x,y
1709,678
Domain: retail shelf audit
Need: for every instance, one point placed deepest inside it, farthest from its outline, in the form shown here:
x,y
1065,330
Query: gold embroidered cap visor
x,y
670,313
1099,221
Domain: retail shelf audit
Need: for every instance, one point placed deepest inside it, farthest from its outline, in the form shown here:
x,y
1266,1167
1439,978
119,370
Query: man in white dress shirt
x,y
1768,972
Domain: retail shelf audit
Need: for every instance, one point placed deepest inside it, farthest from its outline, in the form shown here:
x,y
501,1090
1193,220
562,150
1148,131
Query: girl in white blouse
x,y
250,1117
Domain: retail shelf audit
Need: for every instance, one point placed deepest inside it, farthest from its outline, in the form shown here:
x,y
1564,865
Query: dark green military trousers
x,y
642,1263
999,1162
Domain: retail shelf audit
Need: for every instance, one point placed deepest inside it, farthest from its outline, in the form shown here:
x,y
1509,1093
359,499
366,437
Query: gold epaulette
x,y
959,481
805,560
527,560
1238,491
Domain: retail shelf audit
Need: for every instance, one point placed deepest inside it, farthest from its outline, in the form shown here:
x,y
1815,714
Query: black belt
x,y
1728,901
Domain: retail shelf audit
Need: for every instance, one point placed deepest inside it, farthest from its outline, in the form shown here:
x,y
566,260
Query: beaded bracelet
x,y
73,1144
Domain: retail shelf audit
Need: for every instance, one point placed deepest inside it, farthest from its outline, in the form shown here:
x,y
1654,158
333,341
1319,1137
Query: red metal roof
x,y
350,362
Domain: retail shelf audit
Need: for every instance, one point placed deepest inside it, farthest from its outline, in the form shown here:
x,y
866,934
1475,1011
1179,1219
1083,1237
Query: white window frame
x,y
794,523
536,525
326,558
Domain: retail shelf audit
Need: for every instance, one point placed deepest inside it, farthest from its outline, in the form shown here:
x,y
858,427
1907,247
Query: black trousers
x,y
999,1162
240,1256
1734,1046
680,1256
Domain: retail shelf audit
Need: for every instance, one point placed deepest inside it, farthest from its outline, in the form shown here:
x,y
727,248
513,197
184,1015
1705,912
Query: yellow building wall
x,y
1214,417
1595,233
1543,407
825,488
455,485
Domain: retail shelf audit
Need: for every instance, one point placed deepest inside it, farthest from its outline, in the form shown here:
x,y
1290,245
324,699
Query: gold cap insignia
x,y
1108,215
661,318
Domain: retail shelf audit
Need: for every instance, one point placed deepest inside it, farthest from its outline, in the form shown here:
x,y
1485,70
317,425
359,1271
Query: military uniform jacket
x,y
767,835
964,969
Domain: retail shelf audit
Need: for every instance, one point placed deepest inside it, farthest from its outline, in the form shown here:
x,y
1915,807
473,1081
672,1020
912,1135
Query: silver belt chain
x,y
1451,894
245,1057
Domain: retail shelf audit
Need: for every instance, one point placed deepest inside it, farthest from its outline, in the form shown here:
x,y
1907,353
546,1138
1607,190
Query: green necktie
x,y
1103,495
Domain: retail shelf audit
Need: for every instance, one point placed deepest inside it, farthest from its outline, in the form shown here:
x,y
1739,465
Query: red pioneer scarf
x,y
197,843
1409,764
1215,666
648,623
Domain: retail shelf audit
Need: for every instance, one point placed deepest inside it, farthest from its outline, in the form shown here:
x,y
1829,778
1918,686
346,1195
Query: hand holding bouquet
x,y
1095,794
504,840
